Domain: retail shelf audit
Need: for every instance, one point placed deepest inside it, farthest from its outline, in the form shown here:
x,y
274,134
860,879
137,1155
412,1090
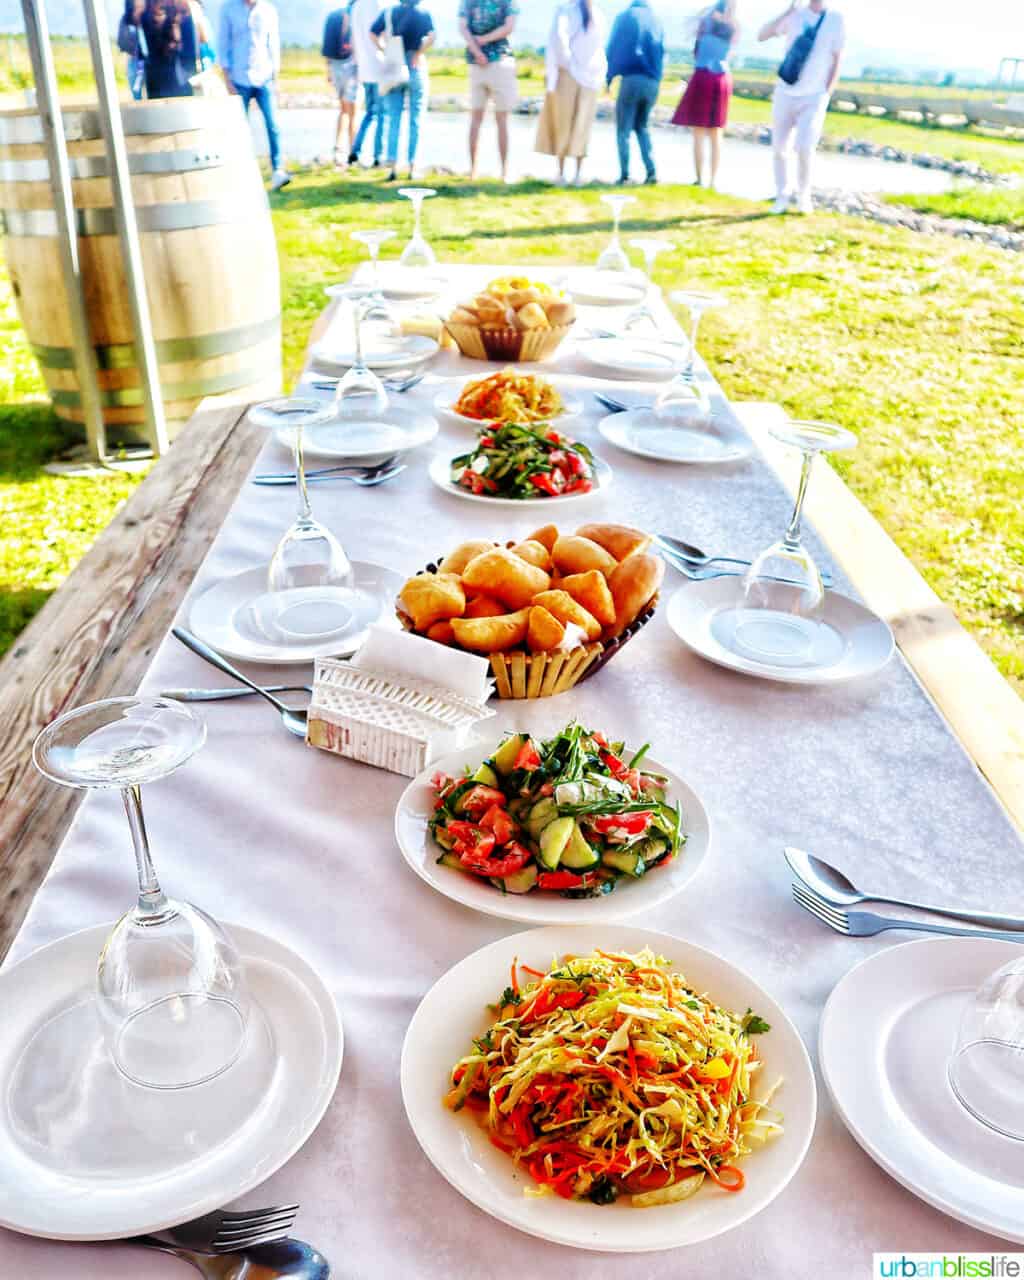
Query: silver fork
x,y
865,924
227,1231
365,479
398,385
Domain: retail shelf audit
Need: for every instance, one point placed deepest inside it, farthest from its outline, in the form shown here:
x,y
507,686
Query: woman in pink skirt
x,y
704,106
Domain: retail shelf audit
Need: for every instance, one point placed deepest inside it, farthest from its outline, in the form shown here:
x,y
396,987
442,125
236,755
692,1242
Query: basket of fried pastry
x,y
548,611
513,319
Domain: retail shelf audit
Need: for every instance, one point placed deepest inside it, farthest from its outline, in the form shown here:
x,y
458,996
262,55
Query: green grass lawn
x,y
917,344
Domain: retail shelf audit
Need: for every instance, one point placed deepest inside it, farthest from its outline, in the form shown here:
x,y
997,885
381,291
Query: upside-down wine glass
x,y
360,392
679,396
644,313
417,253
613,257
986,1068
777,616
170,985
371,240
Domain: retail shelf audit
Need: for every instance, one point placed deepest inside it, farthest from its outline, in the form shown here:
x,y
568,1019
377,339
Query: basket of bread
x,y
547,612
512,319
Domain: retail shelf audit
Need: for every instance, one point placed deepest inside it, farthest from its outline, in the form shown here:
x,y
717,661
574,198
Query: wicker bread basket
x,y
509,344
521,674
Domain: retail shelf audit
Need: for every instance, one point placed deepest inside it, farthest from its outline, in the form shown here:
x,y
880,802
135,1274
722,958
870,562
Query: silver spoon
x,y
294,720
397,385
218,695
286,1258
365,480
699,559
828,882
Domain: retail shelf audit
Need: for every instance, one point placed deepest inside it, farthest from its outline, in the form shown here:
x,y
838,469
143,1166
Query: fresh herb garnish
x,y
753,1024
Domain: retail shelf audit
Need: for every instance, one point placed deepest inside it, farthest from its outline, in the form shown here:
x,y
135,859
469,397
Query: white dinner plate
x,y
222,616
421,852
441,469
400,282
454,1011
380,351
702,440
633,357
446,399
886,1035
608,288
369,439
854,641
85,1155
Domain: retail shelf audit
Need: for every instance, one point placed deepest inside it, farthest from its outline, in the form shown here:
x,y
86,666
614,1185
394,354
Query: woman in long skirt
x,y
575,67
704,106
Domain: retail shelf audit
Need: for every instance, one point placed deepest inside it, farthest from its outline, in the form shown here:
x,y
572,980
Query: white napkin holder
x,y
379,708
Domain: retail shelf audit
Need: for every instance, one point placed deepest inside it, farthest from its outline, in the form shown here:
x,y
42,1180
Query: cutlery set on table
x,y
590,1083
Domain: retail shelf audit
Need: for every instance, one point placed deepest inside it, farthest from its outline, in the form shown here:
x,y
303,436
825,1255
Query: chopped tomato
x,y
651,1178
528,757
480,799
631,777
550,482
469,842
563,880
487,442
580,485
632,823
476,483
499,821
516,857
613,763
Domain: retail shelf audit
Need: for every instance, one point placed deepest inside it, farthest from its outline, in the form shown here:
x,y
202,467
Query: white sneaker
x,y
781,204
804,204
278,179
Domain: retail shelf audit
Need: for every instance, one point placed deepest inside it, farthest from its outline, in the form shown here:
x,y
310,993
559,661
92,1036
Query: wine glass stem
x,y
305,510
692,357
374,272
151,897
417,207
792,537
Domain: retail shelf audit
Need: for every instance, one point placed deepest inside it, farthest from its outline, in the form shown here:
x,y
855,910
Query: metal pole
x,y
127,226
38,39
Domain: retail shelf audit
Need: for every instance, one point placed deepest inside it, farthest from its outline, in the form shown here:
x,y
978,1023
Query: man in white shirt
x,y
250,57
368,63
798,109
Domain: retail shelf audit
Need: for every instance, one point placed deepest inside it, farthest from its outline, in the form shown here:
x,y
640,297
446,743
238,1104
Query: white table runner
x,y
261,830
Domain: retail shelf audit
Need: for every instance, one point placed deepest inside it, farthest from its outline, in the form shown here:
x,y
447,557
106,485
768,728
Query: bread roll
x,y
455,561
618,540
560,312
431,597
463,315
492,635
566,609
532,316
501,573
591,590
517,298
544,632
632,585
575,554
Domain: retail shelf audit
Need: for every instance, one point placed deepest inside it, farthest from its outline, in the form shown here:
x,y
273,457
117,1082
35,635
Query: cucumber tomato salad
x,y
573,816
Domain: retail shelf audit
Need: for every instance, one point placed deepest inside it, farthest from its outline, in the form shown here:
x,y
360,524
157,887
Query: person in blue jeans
x,y
250,53
636,54
363,14
415,28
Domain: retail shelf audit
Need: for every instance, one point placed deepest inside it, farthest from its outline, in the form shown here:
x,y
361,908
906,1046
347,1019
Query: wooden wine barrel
x,y
208,253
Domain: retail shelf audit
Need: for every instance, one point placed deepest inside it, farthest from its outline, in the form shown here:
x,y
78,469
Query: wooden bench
x,y
95,637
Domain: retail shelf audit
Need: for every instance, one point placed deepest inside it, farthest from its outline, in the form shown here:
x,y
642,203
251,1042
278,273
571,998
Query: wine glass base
x,y
301,614
986,1078
775,638
180,1041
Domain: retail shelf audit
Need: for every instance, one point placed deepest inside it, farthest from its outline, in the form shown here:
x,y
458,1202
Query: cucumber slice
x,y
554,839
629,861
450,860
443,838
652,849
543,812
505,756
578,855
522,882
486,775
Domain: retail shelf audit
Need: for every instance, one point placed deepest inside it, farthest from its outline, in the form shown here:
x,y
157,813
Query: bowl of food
x,y
516,464
513,319
547,612
507,396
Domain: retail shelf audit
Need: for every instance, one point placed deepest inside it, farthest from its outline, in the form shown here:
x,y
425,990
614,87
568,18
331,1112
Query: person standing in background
x,y
204,34
250,52
704,107
338,50
636,52
172,48
415,29
364,14
486,27
815,38
575,67
131,40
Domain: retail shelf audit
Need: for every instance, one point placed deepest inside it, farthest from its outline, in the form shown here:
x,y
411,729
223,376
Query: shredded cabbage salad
x,y
610,1076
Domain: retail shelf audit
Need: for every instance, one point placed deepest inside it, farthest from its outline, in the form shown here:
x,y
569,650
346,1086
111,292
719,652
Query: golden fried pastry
x,y
575,554
441,632
463,315
544,632
619,540
559,312
591,590
432,597
547,536
517,298
535,552
501,573
632,585
492,635
455,561
566,609
532,316
484,607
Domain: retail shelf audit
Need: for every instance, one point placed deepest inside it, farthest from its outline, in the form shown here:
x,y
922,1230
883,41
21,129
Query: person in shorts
x,y
486,27
342,73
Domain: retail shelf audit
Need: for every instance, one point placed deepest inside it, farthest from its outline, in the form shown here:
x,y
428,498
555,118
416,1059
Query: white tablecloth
x,y
261,830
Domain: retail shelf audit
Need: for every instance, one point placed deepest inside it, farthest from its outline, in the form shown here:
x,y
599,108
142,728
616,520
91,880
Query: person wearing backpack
x,y
403,34
131,39
338,50
815,37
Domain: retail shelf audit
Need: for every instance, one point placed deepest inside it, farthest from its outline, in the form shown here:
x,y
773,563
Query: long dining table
x,y
265,832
